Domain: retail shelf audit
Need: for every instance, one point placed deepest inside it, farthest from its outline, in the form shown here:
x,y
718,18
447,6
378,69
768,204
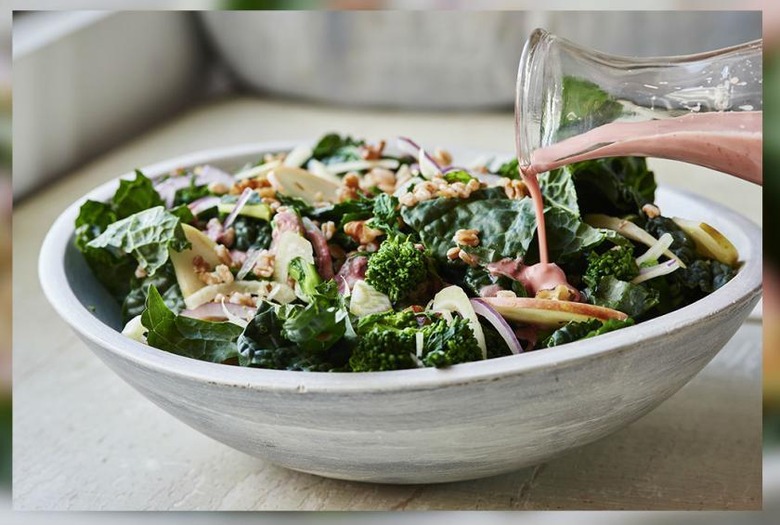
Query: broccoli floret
x,y
388,320
384,349
305,274
618,262
448,344
397,268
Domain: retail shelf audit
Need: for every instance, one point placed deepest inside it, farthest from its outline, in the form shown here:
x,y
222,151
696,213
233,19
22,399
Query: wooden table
x,y
83,439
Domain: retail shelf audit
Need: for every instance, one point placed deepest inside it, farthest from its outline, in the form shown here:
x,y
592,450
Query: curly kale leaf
x,y
252,233
631,299
146,236
135,195
575,331
204,340
613,186
334,148
164,280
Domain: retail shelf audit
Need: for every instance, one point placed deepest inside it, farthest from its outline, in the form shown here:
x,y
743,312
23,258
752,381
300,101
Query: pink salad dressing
x,y
730,142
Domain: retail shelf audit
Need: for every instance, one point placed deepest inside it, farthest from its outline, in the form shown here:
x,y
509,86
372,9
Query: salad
x,y
353,256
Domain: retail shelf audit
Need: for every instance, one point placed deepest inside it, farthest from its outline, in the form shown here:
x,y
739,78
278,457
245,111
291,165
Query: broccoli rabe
x,y
618,262
384,349
305,275
389,342
448,344
398,268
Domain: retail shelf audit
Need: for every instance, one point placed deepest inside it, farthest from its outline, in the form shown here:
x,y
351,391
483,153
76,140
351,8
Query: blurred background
x,y
140,87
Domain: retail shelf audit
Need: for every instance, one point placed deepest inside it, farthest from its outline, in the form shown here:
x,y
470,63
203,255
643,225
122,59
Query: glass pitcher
x,y
574,104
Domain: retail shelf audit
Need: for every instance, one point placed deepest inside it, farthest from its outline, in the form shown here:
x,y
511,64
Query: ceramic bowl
x,y
424,425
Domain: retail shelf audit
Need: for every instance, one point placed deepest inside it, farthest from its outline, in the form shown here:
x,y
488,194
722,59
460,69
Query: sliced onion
x,y
428,167
203,175
629,230
656,250
242,200
645,274
408,146
419,343
499,323
204,203
251,259
211,311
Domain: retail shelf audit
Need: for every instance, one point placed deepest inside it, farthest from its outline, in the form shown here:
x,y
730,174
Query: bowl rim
x,y
743,288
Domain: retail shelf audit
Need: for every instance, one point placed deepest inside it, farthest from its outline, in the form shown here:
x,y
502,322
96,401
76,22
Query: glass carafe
x,y
574,104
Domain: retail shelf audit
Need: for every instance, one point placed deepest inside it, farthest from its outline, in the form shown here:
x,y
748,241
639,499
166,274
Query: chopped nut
x,y
199,265
407,199
651,210
255,184
361,232
266,193
467,237
220,275
370,247
442,157
245,299
453,253
218,188
514,189
381,178
140,272
468,258
328,230
223,254
370,152
264,266
506,293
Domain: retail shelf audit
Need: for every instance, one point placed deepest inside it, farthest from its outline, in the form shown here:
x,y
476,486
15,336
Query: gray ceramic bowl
x,y
426,425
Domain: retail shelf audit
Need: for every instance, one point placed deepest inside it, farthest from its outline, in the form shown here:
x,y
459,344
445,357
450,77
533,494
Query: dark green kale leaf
x,y
575,331
509,169
134,196
387,214
631,299
320,324
164,280
334,148
204,340
94,217
252,233
613,186
190,193
343,212
495,344
146,236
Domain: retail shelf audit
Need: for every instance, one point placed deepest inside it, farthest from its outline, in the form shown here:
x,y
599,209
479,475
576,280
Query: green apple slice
x,y
549,313
183,266
301,184
709,241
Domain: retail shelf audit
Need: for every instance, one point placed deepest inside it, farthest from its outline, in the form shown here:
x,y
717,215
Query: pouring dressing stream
x,y
575,104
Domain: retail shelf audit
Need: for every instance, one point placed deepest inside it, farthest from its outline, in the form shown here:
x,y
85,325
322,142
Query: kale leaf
x,y
629,298
613,186
575,331
164,280
204,340
252,233
333,148
146,236
134,196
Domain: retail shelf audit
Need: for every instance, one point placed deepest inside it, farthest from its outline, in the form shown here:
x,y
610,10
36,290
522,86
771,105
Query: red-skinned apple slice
x,y
549,313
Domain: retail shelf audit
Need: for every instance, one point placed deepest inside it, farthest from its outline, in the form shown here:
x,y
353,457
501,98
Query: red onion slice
x,y
408,146
499,323
204,203
204,175
251,259
216,311
240,203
